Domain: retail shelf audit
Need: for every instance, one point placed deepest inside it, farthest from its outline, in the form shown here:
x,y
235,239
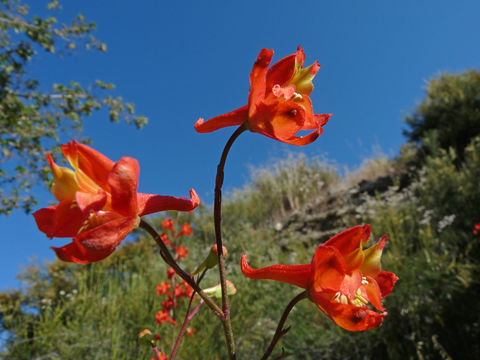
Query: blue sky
x,y
180,60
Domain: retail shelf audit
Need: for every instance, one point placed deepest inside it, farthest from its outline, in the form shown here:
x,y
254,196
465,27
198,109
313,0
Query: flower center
x,y
96,219
358,300
288,92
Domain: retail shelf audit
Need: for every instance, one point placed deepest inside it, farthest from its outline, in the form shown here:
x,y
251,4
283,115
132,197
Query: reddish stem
x,y
157,354
188,317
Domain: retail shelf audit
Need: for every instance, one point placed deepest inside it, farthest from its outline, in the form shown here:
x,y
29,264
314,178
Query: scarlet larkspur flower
x,y
180,291
170,273
191,331
169,304
183,289
165,240
163,288
162,316
342,279
182,252
168,224
186,230
98,203
279,105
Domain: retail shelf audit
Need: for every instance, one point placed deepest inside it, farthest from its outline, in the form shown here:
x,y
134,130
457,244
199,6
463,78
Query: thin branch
x,y
188,316
217,215
280,330
167,257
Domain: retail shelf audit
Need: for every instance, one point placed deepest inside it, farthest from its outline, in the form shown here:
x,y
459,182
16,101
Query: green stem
x,y
165,253
280,330
217,215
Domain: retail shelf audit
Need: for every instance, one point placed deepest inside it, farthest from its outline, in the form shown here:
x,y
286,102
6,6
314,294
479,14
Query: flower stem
x,y
280,330
217,215
155,351
188,316
165,253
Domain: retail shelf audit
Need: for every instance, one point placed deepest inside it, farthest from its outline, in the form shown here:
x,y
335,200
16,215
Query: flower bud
x,y
211,260
216,291
145,337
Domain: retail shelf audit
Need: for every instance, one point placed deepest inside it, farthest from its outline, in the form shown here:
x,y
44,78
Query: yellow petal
x,y
64,184
371,262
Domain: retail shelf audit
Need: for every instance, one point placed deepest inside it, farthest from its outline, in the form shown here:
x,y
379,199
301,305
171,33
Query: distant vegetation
x,y
426,199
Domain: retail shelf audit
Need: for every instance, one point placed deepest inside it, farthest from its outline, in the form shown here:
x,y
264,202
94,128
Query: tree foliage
x,y
450,112
33,119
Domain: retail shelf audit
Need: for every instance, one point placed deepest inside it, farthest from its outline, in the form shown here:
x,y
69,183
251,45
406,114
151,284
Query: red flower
x,y
186,230
182,252
165,240
342,279
168,224
183,289
162,316
163,288
279,105
170,273
98,203
168,304
191,331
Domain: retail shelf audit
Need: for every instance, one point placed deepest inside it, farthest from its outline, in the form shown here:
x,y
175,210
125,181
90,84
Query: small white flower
x,y
446,221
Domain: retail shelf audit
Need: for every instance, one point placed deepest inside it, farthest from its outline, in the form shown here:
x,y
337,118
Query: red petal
x,y
386,280
107,235
300,56
349,317
278,120
258,79
309,122
349,240
322,119
148,203
45,220
373,293
328,270
351,283
318,121
90,202
303,140
76,253
61,220
233,118
123,181
281,72
94,164
293,274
